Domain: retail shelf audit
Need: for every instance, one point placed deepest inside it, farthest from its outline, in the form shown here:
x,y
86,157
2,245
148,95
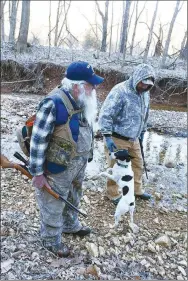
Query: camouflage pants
x,y
56,217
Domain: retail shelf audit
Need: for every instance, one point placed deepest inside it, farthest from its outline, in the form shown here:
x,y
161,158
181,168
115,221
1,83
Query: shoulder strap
x,y
66,101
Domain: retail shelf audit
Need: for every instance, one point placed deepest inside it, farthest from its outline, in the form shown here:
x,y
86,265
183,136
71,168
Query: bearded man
x,y
60,147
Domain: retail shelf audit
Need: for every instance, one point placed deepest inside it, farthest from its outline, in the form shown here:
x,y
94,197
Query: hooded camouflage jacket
x,y
125,111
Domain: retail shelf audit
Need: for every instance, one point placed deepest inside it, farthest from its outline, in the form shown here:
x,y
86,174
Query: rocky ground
x,y
157,251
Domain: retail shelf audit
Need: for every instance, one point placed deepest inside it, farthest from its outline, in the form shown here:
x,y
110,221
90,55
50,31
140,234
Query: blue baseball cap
x,y
81,70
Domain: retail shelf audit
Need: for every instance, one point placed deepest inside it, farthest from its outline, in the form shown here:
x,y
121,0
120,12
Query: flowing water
x,y
160,149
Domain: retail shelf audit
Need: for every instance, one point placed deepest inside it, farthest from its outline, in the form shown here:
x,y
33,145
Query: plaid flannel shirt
x,y
42,129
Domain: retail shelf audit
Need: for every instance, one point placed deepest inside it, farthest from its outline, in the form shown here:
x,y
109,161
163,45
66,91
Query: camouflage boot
x,y
60,250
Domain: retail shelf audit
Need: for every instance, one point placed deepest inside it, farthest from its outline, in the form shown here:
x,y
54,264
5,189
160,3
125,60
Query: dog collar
x,y
121,165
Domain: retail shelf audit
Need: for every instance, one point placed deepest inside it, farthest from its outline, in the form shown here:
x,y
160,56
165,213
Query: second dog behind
x,y
123,175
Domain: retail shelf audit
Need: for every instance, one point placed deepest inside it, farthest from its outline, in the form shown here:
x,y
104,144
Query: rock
x,y
158,195
24,177
151,248
160,260
156,220
35,256
134,227
177,195
86,199
11,276
161,271
92,249
101,251
6,265
170,164
116,241
182,270
127,238
181,209
143,262
180,277
81,270
151,260
183,262
163,241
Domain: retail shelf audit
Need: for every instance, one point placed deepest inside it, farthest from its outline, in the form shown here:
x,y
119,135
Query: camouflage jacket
x,y
125,111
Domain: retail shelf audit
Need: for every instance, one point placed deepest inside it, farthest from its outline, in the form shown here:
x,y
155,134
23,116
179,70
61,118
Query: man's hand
x,y
110,144
40,181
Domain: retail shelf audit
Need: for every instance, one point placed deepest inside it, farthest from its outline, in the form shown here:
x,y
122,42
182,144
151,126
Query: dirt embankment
x,y
42,77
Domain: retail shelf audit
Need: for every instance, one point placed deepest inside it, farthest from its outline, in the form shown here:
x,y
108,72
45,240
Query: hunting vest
x,y
72,135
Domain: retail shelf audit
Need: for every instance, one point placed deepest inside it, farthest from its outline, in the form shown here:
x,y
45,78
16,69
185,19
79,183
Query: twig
x,y
21,81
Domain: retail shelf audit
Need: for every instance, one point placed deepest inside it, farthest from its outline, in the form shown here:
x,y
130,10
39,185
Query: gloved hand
x,y
40,181
110,144
90,159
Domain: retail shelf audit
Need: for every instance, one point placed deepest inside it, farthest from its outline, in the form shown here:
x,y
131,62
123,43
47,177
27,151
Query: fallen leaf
x,y
60,262
93,270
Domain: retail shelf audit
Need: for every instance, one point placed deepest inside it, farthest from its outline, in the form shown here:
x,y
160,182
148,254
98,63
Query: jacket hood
x,y
141,72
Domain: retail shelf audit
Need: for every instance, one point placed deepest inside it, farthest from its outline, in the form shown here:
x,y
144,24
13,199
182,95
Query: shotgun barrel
x,y
5,163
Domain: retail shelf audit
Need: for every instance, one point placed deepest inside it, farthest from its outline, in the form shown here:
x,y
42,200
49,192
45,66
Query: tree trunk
x,y
24,27
104,24
57,23
12,20
117,38
150,33
110,47
183,52
50,26
2,21
165,53
158,49
123,43
135,26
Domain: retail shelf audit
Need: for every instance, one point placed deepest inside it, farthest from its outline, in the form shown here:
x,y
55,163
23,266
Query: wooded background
x,y
99,34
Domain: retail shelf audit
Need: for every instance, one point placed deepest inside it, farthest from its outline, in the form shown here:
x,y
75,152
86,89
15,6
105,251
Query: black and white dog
x,y
123,175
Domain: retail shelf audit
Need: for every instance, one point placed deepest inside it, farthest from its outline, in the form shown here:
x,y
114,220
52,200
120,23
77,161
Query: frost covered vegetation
x,y
62,56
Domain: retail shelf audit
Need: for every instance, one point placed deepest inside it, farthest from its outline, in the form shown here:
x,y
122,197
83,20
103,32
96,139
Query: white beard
x,y
90,105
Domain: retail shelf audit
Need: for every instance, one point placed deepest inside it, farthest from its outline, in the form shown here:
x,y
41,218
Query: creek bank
x,y
47,72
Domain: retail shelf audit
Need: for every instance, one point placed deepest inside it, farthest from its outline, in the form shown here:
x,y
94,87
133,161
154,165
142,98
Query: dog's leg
x,y
117,218
132,225
107,175
131,211
110,170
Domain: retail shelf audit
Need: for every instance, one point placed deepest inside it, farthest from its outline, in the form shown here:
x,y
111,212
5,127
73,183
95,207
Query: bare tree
x,y
130,20
165,53
150,33
183,51
135,25
61,17
24,27
49,24
158,46
12,20
125,21
110,45
2,21
104,24
57,21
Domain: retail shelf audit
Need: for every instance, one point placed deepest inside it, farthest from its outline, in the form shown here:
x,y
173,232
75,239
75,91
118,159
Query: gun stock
x,y
5,163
